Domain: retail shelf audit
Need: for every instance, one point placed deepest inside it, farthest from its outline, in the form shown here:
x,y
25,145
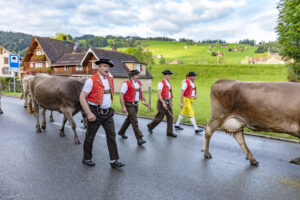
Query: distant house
x,y
4,62
211,46
175,62
223,45
219,54
157,56
266,60
243,48
62,58
185,47
210,50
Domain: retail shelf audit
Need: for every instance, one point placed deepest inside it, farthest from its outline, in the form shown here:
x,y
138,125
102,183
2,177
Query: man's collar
x,y
103,77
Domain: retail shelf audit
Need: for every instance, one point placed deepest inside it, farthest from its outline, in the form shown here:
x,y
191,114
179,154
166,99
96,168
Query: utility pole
x,y
218,57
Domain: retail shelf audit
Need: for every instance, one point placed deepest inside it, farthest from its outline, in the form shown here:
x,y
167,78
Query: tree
x,y
162,60
288,29
61,36
144,57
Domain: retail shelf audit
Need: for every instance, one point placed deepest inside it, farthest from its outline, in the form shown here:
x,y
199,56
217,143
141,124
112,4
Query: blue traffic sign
x,y
14,61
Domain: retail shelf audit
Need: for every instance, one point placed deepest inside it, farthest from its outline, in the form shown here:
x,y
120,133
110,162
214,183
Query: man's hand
x,y
146,104
195,97
181,105
171,104
91,117
124,110
165,105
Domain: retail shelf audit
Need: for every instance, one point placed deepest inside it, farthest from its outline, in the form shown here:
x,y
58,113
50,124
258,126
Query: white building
x,y
4,63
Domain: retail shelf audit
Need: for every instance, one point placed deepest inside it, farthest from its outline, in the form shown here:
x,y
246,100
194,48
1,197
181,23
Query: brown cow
x,y
26,91
259,106
57,94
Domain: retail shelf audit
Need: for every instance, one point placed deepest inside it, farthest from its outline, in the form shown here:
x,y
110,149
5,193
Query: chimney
x,y
114,48
65,40
75,47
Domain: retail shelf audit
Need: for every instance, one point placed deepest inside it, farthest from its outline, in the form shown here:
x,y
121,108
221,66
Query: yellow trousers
x,y
188,106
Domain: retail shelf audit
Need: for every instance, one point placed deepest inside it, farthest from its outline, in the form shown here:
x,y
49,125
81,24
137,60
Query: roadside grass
x,y
14,94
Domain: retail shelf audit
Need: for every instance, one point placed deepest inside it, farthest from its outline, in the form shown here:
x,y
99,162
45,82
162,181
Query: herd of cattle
x,y
235,105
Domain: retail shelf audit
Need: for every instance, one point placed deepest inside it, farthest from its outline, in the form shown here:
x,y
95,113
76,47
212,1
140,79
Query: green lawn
x,y
207,75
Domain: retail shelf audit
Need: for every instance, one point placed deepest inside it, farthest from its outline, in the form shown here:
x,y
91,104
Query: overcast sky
x,y
230,20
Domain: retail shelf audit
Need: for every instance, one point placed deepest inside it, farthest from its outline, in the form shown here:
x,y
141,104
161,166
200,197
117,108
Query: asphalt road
x,y
46,166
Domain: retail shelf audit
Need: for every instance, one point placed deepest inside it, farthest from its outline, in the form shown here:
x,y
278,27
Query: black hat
x,y
106,61
191,74
167,72
133,72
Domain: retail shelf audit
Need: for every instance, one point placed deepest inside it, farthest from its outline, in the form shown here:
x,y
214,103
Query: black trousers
x,y
107,121
131,119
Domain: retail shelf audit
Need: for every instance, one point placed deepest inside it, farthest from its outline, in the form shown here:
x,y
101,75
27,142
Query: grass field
x,y
207,75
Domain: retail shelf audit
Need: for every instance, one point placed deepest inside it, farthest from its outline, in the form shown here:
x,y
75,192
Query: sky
x,y
230,20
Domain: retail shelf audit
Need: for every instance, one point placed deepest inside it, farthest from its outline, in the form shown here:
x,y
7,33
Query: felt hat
x,y
106,61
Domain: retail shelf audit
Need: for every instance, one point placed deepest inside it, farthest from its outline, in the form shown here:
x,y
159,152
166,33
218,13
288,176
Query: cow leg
x,y
37,116
25,99
68,115
62,128
44,118
239,136
51,116
209,130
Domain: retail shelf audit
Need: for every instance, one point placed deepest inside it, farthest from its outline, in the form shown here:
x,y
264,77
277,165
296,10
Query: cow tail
x,y
30,109
22,95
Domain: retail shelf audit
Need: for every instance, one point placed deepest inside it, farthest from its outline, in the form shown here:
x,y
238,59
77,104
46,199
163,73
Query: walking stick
x,y
150,109
170,113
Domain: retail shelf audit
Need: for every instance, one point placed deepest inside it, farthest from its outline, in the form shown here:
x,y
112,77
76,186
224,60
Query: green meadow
x,y
207,74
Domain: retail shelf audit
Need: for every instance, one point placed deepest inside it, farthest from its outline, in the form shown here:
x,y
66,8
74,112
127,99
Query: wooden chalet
x,y
62,58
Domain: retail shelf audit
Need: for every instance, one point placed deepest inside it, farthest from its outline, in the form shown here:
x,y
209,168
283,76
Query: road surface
x,y
46,166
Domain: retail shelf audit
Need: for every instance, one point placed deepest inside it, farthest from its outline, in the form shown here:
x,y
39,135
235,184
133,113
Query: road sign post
x,y
14,65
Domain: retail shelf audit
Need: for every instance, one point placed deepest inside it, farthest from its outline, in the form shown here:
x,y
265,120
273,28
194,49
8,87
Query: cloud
x,y
196,19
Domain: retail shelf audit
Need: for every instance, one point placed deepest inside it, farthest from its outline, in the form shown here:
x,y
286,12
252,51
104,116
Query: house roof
x,y
54,49
118,59
69,59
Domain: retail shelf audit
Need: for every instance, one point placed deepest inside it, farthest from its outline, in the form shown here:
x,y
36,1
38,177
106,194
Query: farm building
x,y
62,58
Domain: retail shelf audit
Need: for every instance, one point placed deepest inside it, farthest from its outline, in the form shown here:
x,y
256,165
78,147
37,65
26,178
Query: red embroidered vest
x,y
131,91
96,95
165,90
189,89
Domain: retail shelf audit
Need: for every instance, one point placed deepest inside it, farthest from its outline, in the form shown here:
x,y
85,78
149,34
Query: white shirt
x,y
160,87
184,86
88,86
136,85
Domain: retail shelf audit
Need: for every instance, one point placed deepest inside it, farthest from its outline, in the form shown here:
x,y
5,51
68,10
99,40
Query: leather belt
x,y
106,91
135,103
100,110
167,101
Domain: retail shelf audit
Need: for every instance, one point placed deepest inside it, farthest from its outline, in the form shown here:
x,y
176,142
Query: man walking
x,y
95,98
164,104
187,97
131,94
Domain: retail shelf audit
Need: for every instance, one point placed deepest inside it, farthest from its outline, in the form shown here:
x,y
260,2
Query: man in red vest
x,y
96,98
131,94
164,104
187,97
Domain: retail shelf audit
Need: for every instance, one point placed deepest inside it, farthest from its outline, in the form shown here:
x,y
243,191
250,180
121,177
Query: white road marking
x,y
77,129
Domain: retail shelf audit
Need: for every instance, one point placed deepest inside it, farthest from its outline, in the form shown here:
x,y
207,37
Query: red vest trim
x,y
188,91
96,95
165,90
131,91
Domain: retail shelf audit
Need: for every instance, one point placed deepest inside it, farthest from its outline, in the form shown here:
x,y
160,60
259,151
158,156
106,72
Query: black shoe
x,y
178,127
140,141
198,131
117,164
89,163
172,135
123,136
149,129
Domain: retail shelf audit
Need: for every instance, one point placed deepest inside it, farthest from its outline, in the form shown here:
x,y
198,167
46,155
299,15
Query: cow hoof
x,y
51,120
1,112
254,163
295,161
44,127
207,156
38,130
76,141
61,134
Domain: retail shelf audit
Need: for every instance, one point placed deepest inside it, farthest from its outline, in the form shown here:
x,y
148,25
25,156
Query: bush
x,y
213,53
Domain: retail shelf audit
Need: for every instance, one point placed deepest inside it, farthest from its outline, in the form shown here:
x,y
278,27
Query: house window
x,y
66,68
39,52
47,64
94,66
79,68
31,65
5,70
5,60
39,65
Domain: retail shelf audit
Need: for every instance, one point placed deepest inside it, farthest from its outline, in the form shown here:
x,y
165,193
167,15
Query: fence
x,y
9,86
